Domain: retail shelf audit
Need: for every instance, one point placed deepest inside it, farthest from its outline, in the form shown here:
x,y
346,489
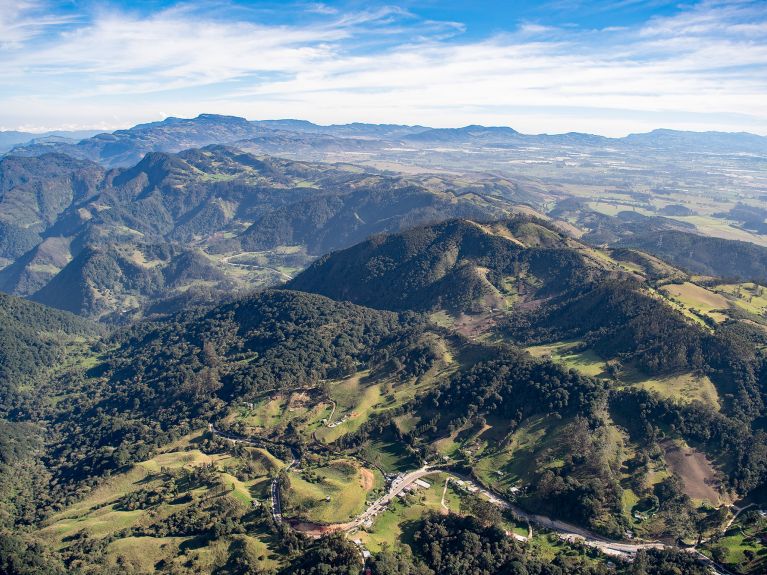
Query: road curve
x,y
566,531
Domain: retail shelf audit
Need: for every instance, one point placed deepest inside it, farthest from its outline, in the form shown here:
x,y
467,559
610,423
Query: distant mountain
x,y
117,280
722,142
336,221
467,134
34,192
126,147
354,130
196,225
9,139
299,138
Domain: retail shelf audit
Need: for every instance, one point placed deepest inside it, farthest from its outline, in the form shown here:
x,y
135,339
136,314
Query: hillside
x,y
353,392
458,266
192,226
705,255
34,339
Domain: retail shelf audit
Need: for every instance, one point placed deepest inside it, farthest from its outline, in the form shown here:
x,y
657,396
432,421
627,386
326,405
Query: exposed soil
x,y
367,479
699,477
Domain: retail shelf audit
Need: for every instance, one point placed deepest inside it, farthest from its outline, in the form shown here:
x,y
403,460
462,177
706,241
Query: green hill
x,y
705,255
458,266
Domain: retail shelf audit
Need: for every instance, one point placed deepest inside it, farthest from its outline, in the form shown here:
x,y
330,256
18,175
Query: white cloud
x,y
705,68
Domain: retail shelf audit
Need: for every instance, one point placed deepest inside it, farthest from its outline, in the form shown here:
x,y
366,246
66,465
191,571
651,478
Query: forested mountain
x,y
192,226
33,339
456,265
530,348
705,255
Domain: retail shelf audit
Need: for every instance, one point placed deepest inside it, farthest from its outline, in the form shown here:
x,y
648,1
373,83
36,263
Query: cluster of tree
x,y
646,416
617,319
512,387
455,545
33,338
166,378
586,488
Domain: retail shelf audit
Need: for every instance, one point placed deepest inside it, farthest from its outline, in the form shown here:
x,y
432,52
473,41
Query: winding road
x,y
566,531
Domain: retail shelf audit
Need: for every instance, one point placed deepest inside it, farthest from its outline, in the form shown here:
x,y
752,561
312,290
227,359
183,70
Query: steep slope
x,y
34,192
120,279
260,219
33,338
337,221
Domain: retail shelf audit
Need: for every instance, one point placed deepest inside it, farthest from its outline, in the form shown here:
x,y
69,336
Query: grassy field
x,y
277,410
585,362
512,463
750,297
694,297
332,493
390,455
743,548
682,387
396,524
101,513
359,397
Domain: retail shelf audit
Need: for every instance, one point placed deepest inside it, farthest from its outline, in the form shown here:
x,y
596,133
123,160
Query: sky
x,y
608,67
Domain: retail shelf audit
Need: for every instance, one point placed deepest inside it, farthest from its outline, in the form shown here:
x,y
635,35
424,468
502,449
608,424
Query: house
x,y
422,483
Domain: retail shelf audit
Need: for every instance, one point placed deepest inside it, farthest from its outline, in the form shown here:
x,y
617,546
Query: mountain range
x,y
126,147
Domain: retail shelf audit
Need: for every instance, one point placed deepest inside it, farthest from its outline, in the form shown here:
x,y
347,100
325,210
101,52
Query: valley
x,y
223,361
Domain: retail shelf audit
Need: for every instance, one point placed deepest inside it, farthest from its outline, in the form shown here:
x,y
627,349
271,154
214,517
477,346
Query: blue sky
x,y
609,67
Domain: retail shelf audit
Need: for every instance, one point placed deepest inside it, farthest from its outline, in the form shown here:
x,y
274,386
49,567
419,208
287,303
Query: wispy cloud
x,y
704,67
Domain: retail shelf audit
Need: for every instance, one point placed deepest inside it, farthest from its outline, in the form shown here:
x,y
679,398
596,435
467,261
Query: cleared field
x,y
698,298
333,493
389,455
586,362
514,462
684,387
358,397
103,512
720,228
748,296
280,409
698,475
143,553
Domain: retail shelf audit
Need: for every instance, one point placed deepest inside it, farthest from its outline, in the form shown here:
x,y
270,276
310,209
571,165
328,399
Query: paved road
x,y
276,501
396,488
565,531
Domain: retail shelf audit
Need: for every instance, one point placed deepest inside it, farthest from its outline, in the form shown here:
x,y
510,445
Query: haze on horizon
x,y
610,67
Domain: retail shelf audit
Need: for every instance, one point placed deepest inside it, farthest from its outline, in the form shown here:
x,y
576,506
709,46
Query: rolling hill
x,y
177,228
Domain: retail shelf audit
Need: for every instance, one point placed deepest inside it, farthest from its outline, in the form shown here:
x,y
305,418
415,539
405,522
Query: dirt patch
x,y
315,530
700,479
474,325
298,399
367,479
